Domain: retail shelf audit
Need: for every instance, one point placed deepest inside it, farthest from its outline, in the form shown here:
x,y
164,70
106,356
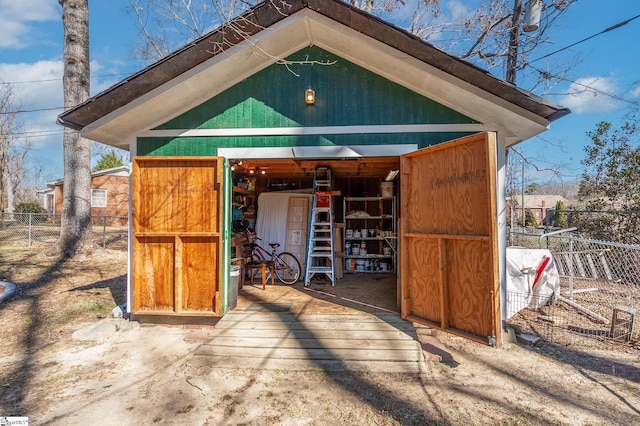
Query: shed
x,y
384,100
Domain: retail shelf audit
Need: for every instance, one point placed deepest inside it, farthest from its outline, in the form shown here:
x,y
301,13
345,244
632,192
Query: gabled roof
x,y
114,171
536,201
270,32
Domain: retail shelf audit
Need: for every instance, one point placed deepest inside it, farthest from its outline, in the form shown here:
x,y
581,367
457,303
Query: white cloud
x,y
38,87
459,10
19,19
39,90
589,94
636,92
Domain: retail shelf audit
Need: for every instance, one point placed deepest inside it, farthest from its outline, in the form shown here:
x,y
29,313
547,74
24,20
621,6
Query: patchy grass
x,y
52,296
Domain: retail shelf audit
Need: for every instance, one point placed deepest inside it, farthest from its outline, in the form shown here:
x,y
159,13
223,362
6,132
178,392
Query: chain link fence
x,y
27,229
598,303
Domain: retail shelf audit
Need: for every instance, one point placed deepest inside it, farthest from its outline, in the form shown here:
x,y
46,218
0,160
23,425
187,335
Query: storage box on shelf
x,y
244,199
243,196
370,235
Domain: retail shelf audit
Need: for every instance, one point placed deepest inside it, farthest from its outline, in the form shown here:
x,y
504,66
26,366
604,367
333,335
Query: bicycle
x,y
286,265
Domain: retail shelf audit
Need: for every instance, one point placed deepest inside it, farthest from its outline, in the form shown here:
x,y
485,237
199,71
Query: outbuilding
x,y
383,100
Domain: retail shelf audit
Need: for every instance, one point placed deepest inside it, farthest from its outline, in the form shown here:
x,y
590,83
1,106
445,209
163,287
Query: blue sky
x,y
31,46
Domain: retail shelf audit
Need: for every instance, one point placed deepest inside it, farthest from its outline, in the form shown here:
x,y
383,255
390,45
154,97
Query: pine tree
x,y
560,218
530,219
108,160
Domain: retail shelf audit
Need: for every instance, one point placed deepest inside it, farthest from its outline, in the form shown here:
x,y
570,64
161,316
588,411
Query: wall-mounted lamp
x,y
310,96
392,174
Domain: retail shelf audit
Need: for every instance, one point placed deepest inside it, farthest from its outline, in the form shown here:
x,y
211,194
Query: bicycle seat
x,y
274,245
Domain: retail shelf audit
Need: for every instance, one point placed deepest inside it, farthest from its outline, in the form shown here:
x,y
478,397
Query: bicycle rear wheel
x,y
287,268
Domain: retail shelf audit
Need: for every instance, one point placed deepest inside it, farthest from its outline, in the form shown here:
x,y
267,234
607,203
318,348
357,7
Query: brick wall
x,y
117,188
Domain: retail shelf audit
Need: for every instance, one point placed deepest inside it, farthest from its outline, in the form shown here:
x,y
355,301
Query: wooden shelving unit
x,y
370,234
247,197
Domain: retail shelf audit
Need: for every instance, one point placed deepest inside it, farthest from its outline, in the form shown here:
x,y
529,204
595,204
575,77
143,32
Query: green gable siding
x,y
346,94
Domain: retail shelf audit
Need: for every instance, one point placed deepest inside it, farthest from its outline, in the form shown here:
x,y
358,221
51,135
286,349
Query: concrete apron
x,y
354,326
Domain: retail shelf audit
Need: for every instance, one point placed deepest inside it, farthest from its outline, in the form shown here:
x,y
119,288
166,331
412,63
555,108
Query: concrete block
x,y
527,339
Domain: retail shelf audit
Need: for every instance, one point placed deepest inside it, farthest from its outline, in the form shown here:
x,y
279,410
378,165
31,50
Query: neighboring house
x,y
46,196
109,193
542,206
310,83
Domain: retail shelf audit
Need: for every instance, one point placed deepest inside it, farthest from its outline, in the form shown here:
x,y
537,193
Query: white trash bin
x,y
234,283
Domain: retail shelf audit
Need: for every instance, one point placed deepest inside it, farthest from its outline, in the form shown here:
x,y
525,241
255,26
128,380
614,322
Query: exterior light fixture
x,y
392,174
310,96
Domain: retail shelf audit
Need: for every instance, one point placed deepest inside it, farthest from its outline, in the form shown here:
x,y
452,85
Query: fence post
x,y
104,232
29,228
571,268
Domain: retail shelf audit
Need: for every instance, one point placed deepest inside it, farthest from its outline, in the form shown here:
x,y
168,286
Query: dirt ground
x,y
64,361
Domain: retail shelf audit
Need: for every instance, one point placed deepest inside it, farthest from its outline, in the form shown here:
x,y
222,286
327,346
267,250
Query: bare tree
x,y
491,36
13,149
29,180
8,113
17,173
75,234
490,33
168,24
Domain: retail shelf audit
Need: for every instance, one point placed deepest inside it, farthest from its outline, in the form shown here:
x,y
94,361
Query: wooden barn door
x,y
449,257
177,235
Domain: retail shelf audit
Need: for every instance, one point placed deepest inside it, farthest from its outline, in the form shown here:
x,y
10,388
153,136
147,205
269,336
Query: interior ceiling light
x,y
310,96
236,165
392,174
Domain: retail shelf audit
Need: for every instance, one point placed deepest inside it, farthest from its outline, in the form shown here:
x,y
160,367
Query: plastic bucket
x,y
360,264
386,189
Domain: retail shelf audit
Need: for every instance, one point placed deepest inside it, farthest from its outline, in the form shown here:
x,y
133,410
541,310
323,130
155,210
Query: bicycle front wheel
x,y
287,268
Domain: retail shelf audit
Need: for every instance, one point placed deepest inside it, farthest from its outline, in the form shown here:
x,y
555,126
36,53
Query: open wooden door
x,y
449,250
177,236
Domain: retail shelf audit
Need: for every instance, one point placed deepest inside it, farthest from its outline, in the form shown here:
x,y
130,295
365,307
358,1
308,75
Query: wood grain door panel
x,y
177,235
449,251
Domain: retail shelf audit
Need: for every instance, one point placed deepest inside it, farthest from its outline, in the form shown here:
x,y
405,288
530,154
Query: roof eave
x,y
265,15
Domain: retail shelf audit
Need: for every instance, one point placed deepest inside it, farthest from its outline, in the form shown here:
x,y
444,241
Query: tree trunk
x,y
2,174
75,233
9,189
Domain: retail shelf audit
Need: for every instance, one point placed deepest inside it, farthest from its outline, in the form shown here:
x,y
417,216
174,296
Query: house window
x,y
98,198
